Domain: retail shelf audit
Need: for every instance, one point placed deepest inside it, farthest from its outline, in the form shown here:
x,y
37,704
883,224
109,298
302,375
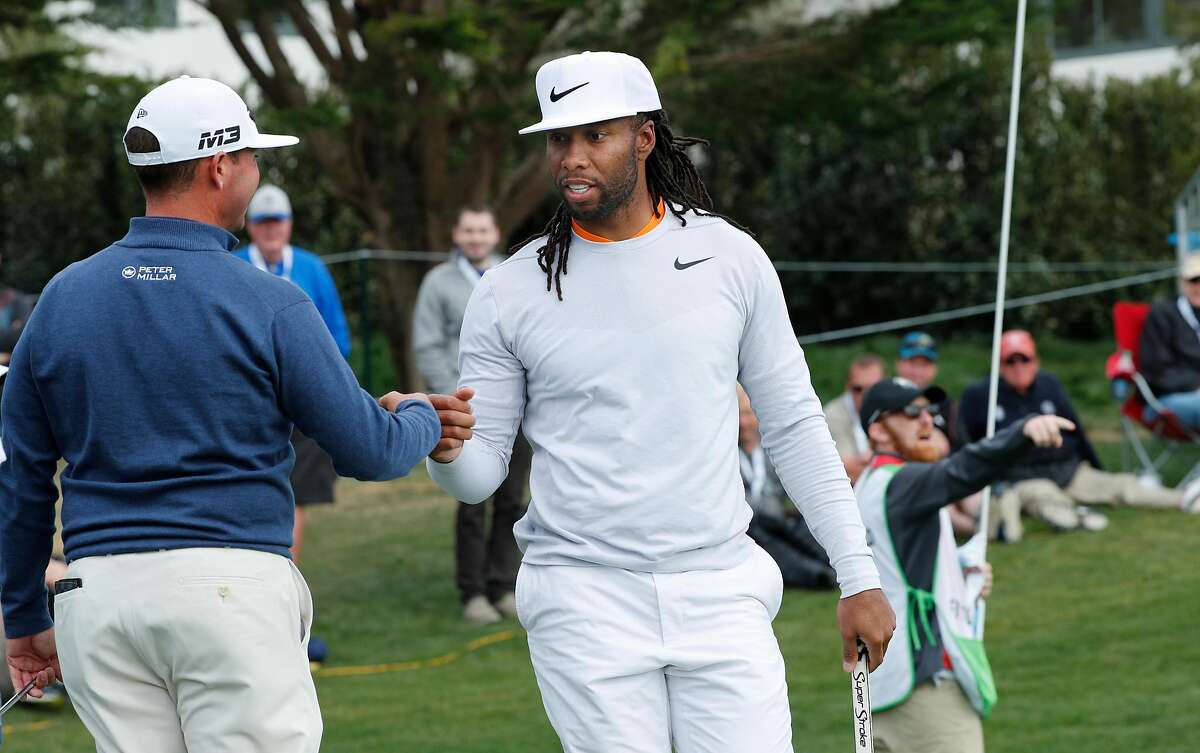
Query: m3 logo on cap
x,y
220,137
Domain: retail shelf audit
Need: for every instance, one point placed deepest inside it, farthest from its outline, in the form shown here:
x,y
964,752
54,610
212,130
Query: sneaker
x,y
1191,497
507,605
1061,518
53,697
479,611
1091,520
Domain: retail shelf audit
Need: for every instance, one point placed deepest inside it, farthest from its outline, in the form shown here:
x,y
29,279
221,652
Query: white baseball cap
x,y
591,87
269,203
194,118
1190,268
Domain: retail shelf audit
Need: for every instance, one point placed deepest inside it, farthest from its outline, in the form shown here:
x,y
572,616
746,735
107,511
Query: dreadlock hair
x,y
670,177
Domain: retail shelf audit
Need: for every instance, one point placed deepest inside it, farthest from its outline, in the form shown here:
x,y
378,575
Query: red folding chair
x,y
1139,406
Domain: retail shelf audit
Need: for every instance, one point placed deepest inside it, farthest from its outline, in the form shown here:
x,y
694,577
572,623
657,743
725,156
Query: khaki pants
x,y
190,650
934,719
1045,500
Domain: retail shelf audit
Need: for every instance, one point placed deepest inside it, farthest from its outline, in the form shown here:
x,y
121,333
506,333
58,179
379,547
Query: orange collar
x,y
659,212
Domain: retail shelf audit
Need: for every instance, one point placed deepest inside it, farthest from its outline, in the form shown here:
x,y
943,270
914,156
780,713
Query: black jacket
x,y
914,498
1169,352
1045,396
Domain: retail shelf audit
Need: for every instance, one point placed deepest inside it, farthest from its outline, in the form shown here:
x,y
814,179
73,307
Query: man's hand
x,y
1046,431
392,399
33,657
986,570
866,616
455,413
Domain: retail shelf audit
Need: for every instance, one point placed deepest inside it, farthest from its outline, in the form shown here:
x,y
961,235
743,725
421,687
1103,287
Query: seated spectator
x,y
1053,482
1170,347
842,413
918,363
15,308
777,525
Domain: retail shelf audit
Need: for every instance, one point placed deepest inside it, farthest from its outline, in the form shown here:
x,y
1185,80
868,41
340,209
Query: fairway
x,y
1091,637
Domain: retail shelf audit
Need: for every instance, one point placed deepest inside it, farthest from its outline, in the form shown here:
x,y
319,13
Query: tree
x,y
424,98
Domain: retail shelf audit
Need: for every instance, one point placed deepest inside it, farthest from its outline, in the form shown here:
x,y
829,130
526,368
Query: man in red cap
x,y
1054,483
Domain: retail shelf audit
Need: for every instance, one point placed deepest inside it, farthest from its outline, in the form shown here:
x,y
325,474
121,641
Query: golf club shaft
x,y
860,700
16,697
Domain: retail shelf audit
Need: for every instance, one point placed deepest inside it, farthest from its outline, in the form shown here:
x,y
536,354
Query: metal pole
x,y
364,289
975,551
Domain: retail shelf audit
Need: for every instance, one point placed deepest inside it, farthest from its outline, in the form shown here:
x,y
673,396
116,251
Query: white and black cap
x,y
591,87
269,203
194,118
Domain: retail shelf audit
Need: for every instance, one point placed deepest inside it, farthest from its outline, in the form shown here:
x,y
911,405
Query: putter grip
x,y
860,701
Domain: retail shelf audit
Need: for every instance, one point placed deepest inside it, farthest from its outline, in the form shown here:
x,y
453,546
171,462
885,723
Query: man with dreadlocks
x,y
648,607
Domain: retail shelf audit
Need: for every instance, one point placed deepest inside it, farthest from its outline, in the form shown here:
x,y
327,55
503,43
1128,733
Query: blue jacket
x,y
168,374
309,272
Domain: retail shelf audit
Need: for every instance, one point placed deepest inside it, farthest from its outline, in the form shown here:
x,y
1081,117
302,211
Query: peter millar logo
x,y
151,274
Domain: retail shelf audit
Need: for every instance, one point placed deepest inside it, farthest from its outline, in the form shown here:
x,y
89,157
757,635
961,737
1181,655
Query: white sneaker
x,y
479,611
1191,497
507,605
1091,520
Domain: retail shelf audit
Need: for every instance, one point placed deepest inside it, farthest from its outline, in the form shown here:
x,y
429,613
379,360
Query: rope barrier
x,y
986,308
851,267
408,666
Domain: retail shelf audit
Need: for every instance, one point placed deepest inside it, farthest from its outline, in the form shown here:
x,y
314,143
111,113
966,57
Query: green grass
x,y
1092,636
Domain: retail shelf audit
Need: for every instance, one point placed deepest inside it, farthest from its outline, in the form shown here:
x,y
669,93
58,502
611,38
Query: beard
x,y
614,194
918,451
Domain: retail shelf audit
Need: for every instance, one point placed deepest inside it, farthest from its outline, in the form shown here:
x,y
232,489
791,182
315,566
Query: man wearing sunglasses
x,y
935,685
1170,347
1054,484
842,413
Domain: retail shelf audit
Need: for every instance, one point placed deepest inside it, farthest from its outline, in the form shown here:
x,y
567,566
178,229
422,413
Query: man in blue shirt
x,y
168,375
270,227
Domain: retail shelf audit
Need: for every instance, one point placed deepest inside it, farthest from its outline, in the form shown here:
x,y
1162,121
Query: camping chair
x,y
1139,406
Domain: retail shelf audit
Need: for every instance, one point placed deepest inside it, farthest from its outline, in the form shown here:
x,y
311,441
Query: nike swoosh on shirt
x,y
690,263
554,97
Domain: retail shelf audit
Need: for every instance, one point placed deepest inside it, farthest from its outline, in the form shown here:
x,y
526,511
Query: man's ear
x,y
644,139
877,434
218,169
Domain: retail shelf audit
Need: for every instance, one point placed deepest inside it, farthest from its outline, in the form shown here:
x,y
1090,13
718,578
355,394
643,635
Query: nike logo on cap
x,y
690,263
554,97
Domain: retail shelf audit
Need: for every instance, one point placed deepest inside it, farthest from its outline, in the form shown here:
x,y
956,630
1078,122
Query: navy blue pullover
x,y
168,374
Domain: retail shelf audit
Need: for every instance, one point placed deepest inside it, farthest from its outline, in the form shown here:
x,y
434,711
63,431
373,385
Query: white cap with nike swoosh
x,y
591,87
194,118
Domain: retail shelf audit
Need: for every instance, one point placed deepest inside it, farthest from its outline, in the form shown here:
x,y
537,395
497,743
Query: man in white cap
x,y
168,375
269,223
1170,346
648,607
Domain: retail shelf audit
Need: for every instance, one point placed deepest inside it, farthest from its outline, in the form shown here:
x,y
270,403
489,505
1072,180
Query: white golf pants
x,y
201,650
632,662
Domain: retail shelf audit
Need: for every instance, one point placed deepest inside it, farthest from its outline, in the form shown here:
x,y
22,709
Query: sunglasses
x,y
1192,280
858,389
1019,358
912,410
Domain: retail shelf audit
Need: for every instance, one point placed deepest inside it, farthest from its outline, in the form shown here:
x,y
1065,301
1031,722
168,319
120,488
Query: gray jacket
x,y
437,320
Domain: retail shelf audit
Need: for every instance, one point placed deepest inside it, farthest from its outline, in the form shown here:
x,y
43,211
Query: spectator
x,y
15,308
935,683
842,413
1170,347
270,229
777,526
486,565
918,363
1054,481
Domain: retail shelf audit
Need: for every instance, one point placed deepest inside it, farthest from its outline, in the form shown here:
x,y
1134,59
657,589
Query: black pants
x,y
801,559
487,565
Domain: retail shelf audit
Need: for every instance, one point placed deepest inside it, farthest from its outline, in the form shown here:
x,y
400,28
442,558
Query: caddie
x,y
935,684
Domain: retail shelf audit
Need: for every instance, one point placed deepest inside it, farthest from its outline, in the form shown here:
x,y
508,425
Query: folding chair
x,y
1139,406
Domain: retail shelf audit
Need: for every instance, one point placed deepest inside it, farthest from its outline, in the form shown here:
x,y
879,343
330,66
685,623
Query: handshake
x,y
454,411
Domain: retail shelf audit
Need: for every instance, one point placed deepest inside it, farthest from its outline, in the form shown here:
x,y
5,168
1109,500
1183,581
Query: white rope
x,y
865,330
